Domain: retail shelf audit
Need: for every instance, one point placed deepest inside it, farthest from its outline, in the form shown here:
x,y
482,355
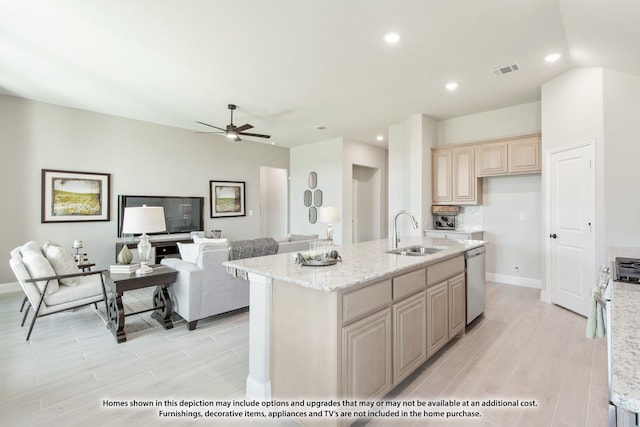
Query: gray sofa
x,y
204,288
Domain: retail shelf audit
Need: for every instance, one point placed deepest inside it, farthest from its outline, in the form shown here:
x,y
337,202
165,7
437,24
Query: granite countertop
x,y
361,263
625,345
625,338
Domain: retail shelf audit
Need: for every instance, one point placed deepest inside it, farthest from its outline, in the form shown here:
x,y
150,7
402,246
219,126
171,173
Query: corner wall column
x,y
259,378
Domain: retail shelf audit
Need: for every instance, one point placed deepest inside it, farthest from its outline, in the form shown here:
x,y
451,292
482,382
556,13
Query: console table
x,y
159,249
161,277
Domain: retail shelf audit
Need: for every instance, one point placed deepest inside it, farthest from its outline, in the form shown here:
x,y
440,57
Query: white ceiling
x,y
293,65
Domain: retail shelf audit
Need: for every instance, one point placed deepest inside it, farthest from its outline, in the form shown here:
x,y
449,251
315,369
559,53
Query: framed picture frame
x,y
69,196
227,198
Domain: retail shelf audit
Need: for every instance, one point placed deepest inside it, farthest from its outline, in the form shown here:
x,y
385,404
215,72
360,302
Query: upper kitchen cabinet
x,y
509,156
454,176
524,155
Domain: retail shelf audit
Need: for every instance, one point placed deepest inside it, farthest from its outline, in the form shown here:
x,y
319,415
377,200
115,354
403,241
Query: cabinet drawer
x,y
366,300
409,284
438,272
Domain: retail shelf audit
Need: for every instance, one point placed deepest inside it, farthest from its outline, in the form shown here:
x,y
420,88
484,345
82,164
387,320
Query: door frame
x,y
545,294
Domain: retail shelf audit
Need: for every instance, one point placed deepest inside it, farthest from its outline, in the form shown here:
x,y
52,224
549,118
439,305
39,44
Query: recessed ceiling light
x,y
552,57
392,37
380,138
321,127
451,86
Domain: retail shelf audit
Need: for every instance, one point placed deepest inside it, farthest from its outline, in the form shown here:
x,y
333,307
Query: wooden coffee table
x,y
161,277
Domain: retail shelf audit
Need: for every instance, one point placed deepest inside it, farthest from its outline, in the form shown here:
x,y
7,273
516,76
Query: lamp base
x,y
143,269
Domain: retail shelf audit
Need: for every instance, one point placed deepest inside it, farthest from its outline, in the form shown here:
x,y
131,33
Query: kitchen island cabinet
x,y
352,330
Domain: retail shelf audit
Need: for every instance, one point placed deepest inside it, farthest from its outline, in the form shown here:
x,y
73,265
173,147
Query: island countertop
x,y
361,263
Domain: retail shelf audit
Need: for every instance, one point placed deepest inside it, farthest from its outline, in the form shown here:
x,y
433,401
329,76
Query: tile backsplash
x,y
470,218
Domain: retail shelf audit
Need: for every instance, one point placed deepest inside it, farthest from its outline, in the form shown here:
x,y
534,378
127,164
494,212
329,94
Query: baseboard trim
x,y
514,280
5,288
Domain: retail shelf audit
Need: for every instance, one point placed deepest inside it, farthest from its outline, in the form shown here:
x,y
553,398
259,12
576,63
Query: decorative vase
x,y
125,256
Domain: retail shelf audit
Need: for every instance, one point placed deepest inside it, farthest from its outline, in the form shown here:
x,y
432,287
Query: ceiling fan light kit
x,y
232,131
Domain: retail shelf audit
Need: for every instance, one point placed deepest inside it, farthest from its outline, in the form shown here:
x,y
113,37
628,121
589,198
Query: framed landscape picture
x,y
75,196
227,198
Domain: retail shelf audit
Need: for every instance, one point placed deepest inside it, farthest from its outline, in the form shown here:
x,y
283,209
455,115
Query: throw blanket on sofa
x,y
240,249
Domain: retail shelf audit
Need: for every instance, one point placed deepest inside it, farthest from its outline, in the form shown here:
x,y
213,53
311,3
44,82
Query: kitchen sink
x,y
417,250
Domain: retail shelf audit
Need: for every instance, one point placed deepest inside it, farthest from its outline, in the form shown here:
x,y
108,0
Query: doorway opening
x,y
366,212
274,202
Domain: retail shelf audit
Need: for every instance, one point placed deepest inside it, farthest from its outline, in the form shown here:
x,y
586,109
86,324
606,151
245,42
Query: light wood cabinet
x,y
446,302
441,176
492,159
454,179
509,156
437,317
524,155
409,335
457,305
366,362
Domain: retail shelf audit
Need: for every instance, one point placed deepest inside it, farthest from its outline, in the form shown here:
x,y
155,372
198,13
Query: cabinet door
x,y
464,176
409,335
437,317
457,305
366,357
524,155
492,159
441,174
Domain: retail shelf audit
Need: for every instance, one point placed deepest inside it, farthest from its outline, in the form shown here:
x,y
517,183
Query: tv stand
x,y
160,248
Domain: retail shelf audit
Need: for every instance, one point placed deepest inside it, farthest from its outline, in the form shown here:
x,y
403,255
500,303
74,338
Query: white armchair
x,y
52,282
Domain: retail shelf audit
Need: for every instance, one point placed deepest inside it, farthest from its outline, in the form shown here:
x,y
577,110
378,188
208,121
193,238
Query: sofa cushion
x,y
63,263
197,239
298,237
38,266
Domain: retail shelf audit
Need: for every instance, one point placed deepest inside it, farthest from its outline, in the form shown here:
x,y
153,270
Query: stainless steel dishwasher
x,y
476,294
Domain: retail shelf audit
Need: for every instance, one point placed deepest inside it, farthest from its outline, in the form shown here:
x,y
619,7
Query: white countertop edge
x,y
361,263
625,343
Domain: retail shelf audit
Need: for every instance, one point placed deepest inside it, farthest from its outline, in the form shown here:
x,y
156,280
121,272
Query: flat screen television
x,y
181,214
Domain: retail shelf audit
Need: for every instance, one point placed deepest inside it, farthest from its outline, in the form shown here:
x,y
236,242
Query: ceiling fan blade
x,y
200,131
243,128
211,126
259,135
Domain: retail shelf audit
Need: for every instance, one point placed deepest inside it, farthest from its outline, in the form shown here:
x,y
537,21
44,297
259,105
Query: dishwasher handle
x,y
472,253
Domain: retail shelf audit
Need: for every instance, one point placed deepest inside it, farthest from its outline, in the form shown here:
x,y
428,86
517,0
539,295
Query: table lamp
x,y
144,219
329,215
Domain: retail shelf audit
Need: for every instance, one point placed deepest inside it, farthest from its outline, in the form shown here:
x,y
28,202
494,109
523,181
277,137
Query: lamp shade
x,y
145,219
329,215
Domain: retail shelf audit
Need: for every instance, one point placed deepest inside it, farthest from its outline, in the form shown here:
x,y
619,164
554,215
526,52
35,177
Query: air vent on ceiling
x,y
506,69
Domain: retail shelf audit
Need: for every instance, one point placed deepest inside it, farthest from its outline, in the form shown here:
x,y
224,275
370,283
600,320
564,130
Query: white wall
x,y
359,154
324,158
502,123
512,242
142,158
410,172
622,159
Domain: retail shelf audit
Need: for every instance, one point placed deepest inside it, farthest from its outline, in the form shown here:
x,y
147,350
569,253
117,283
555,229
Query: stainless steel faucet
x,y
396,239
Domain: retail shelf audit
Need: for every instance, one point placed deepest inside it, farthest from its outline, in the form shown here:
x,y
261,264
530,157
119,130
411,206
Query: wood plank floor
x,y
521,349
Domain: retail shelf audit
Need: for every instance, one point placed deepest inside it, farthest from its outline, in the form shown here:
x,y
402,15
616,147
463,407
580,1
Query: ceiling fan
x,y
232,131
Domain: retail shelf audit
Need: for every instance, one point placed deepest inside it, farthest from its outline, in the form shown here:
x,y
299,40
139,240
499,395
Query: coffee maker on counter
x,y
444,217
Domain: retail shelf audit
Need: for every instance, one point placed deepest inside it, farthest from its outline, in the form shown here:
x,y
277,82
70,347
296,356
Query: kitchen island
x,y
354,329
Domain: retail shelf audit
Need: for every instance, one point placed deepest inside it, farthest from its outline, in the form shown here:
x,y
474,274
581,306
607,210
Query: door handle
x,y
553,236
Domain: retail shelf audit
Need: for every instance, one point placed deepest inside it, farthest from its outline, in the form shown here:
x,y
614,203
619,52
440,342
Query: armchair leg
x,y
24,318
33,322
23,303
35,315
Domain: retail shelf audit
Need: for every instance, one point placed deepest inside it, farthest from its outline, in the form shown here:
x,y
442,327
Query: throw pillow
x,y
30,246
47,244
189,251
38,266
63,263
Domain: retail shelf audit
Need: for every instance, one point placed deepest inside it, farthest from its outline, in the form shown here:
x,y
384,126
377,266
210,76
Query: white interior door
x,y
366,204
571,226
274,202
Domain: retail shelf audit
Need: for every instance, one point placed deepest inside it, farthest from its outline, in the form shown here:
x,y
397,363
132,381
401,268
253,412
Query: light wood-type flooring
x,y
520,349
